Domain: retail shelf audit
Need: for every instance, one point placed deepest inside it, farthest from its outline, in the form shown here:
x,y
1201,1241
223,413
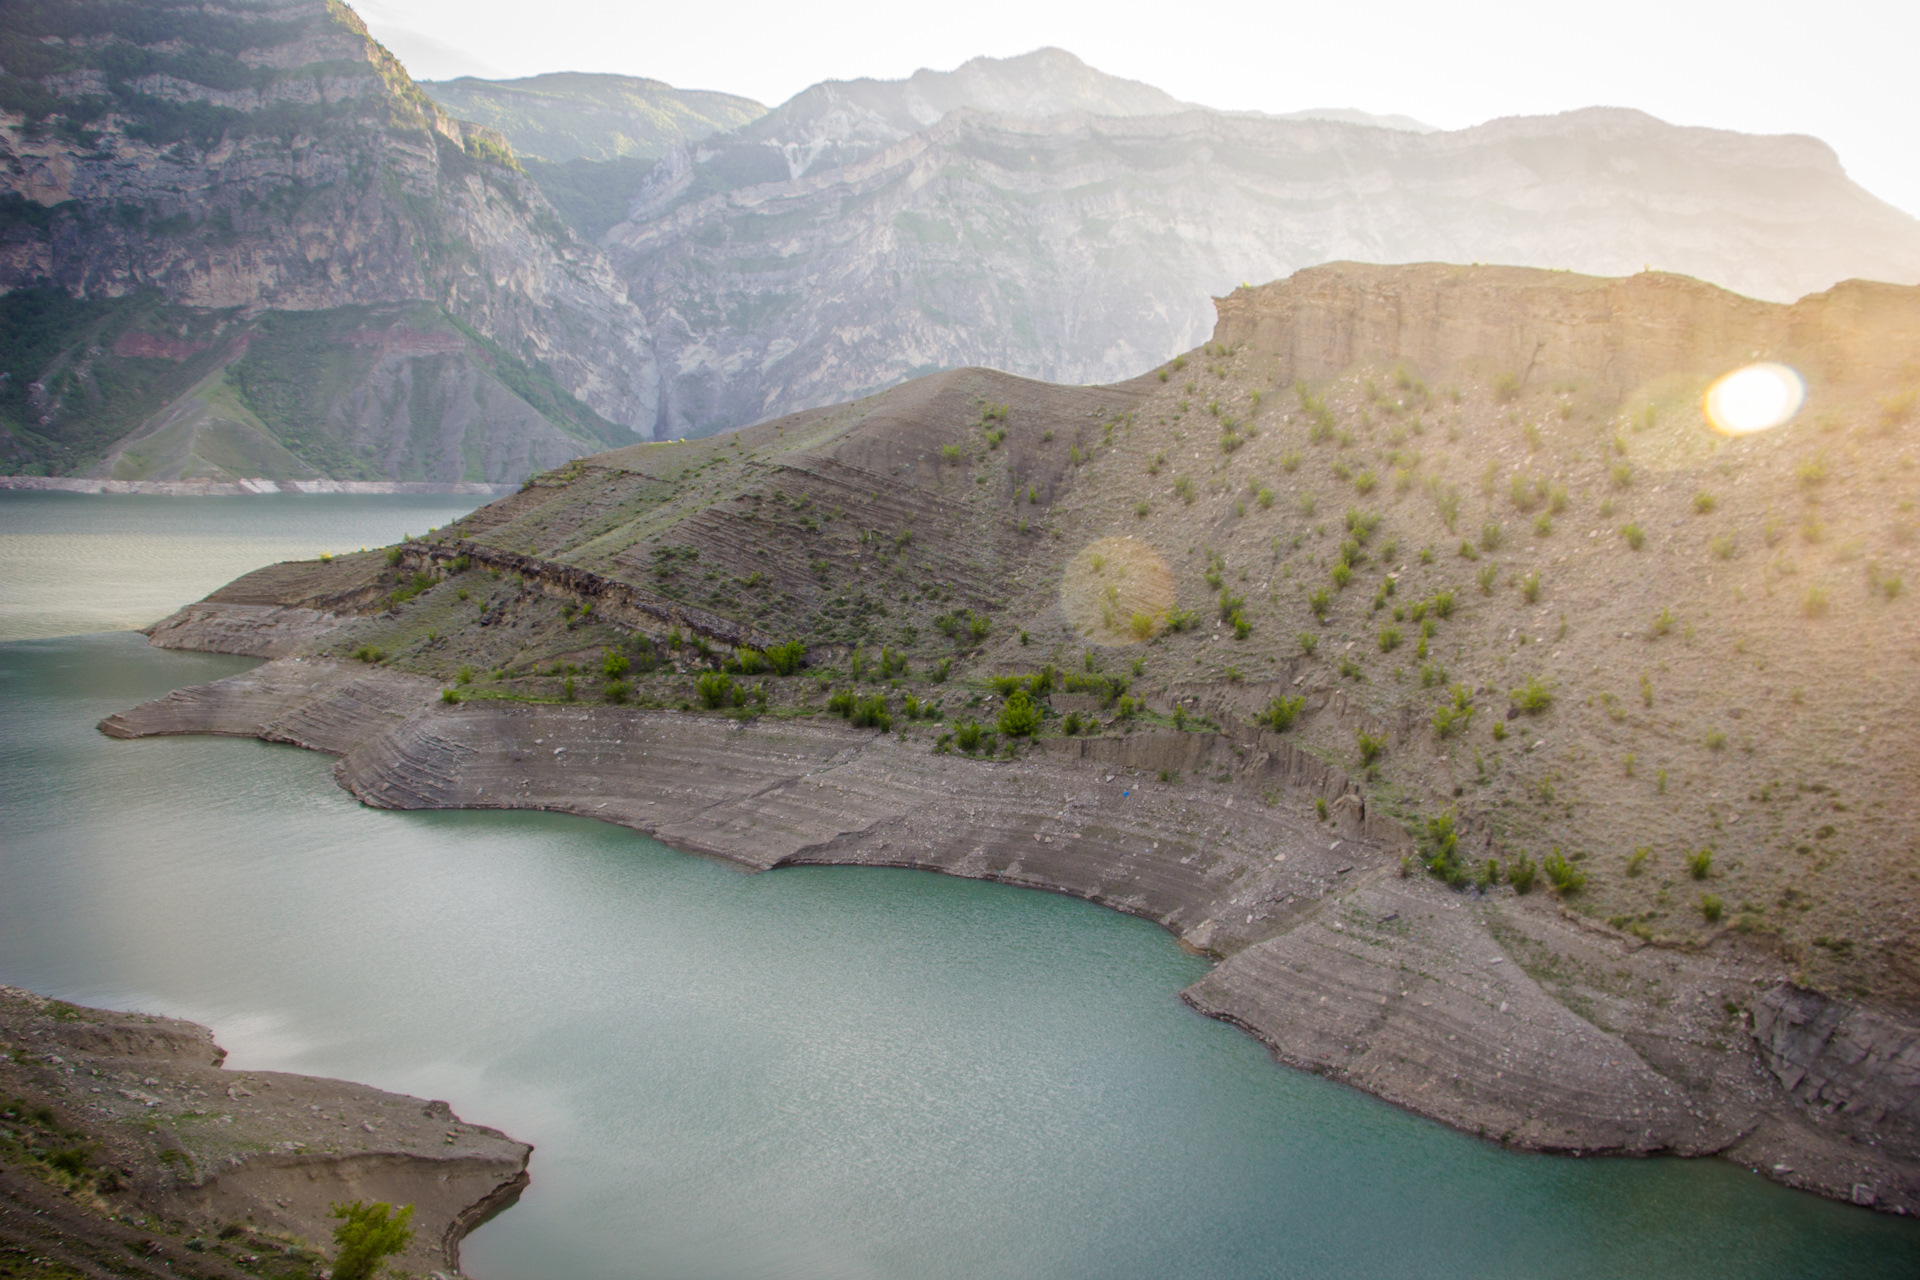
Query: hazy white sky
x,y
1842,70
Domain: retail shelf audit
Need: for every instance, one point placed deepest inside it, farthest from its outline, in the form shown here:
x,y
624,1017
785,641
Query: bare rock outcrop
x,y
237,1159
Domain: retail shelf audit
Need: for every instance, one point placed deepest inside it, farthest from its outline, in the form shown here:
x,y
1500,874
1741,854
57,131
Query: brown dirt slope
x,y
125,1149
1642,697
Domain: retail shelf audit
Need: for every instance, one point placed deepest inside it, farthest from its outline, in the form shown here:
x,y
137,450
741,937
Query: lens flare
x,y
1756,398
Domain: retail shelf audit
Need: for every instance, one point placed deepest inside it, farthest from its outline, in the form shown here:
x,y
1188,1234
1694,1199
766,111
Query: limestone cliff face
x,y
1616,334
817,255
275,157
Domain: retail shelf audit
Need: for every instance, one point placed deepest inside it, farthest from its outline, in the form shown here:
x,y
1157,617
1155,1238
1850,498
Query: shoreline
x,y
244,487
1460,1008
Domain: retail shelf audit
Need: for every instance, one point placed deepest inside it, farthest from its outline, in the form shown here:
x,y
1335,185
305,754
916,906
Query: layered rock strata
x,y
1513,1022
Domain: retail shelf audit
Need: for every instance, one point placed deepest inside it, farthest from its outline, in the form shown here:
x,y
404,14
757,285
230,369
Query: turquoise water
x,y
820,1072
72,562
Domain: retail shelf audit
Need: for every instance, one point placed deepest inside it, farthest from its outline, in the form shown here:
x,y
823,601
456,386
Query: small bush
x,y
1019,717
1533,698
1520,874
1663,622
1703,502
1486,577
1636,536
967,736
1281,713
1389,639
1700,864
614,664
1637,860
1371,745
1530,588
716,689
1264,497
1565,878
1716,740
1491,534
450,695
368,1234
871,713
1439,846
1320,601
615,691
394,555
1711,907
1815,603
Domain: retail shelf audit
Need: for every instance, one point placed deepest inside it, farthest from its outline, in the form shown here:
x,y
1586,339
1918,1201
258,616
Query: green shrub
x,y
1341,573
1486,576
1308,642
1520,873
1566,878
1020,716
1636,536
1716,740
1637,860
464,675
567,689
1281,713
1264,497
394,555
1439,846
368,1234
785,659
1320,601
450,695
1703,502
1530,588
1371,745
1491,534
871,713
1534,697
1071,725
1711,907
716,689
1663,622
1389,639
1700,864
1815,603
967,735
614,664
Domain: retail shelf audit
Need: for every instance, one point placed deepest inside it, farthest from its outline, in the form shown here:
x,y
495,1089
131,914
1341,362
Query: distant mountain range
x,y
245,243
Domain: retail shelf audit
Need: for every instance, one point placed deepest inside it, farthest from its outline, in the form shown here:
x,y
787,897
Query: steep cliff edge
x,y
273,157
1518,743
125,1149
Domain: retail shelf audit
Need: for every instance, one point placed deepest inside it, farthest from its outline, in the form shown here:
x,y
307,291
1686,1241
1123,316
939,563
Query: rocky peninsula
x,y
126,1149
1527,754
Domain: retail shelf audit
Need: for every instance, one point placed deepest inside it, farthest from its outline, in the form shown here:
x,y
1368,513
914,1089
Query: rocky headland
x,y
127,1149
1526,753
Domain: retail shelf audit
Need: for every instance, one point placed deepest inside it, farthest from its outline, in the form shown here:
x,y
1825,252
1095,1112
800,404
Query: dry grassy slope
x,y
1769,718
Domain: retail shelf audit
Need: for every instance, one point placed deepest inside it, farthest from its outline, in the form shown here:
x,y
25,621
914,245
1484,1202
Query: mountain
x,y
1526,751
574,115
183,185
856,236
587,140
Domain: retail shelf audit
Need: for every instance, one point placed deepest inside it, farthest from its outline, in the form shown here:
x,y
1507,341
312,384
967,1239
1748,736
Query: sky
x,y
1840,70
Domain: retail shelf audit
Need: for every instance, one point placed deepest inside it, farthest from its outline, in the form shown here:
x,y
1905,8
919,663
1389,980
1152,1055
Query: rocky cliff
x,y
864,234
126,1150
273,158
1527,753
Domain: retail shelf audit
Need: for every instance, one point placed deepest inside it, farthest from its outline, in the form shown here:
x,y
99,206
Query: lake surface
x,y
819,1072
74,562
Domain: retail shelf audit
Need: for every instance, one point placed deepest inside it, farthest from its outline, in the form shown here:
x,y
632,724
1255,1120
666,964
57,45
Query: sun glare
x,y
1756,398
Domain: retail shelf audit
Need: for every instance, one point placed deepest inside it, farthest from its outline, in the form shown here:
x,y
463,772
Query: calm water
x,y
821,1072
73,562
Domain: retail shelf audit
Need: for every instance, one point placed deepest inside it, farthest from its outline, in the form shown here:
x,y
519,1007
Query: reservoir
x,y
817,1072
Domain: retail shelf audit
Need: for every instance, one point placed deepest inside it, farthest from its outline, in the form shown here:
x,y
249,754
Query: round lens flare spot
x,y
1759,397
1117,591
